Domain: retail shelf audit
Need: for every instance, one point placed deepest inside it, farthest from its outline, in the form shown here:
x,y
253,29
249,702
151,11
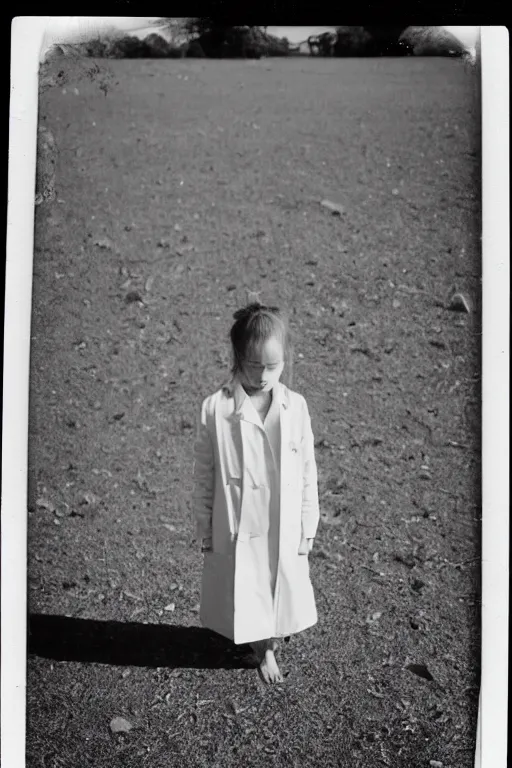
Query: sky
x,y
67,28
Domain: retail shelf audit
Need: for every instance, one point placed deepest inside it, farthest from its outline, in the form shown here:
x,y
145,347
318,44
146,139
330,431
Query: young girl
x,y
256,496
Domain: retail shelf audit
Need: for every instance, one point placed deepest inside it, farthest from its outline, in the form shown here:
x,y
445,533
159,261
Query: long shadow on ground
x,y
141,645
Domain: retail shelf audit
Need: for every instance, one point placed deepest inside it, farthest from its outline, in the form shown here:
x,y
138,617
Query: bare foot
x,y
269,669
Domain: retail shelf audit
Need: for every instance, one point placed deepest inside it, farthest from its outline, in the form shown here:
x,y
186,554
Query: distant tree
x,y
130,48
195,50
385,40
432,41
219,40
352,41
157,46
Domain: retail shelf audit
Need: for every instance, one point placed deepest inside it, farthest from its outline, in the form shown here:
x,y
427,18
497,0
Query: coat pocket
x,y
254,519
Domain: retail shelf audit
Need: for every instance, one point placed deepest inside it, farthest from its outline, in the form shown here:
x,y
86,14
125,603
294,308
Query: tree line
x,y
208,38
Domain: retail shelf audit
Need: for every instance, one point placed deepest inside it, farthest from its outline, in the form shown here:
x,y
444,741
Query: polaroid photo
x,y
255,417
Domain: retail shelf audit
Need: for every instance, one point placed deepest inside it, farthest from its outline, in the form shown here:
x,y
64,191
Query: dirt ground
x,y
178,186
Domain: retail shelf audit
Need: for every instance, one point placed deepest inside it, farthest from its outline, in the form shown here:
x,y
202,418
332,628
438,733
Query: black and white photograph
x,y
254,447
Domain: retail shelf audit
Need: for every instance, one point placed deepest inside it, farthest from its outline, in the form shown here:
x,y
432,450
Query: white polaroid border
x,y
27,39
491,750
25,47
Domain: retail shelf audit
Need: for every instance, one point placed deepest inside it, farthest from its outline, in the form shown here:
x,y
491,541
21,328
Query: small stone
x,y
89,498
132,297
334,208
196,608
120,725
459,303
45,504
439,343
396,304
104,243
171,607
436,764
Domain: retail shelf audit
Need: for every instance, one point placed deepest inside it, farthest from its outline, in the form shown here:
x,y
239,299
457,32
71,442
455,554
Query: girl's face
x,y
263,365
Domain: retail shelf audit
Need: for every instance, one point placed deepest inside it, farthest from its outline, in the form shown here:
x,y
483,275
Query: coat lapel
x,y
284,418
244,409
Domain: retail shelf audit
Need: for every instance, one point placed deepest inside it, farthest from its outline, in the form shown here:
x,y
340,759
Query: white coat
x,y
231,496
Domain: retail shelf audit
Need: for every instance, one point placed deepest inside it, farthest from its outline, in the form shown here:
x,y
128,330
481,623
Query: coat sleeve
x,y
310,506
203,477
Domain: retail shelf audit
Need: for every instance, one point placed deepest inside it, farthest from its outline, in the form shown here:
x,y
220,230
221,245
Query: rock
x,y
132,297
89,498
104,243
46,504
171,528
436,764
120,725
170,607
334,208
459,303
62,511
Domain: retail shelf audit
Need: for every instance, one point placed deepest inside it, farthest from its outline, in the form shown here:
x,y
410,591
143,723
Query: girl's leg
x,y
268,668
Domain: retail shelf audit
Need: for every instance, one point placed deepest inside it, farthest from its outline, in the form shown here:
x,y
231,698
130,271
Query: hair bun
x,y
246,312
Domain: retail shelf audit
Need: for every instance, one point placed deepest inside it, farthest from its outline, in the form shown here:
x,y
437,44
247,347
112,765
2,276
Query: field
x,y
177,188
